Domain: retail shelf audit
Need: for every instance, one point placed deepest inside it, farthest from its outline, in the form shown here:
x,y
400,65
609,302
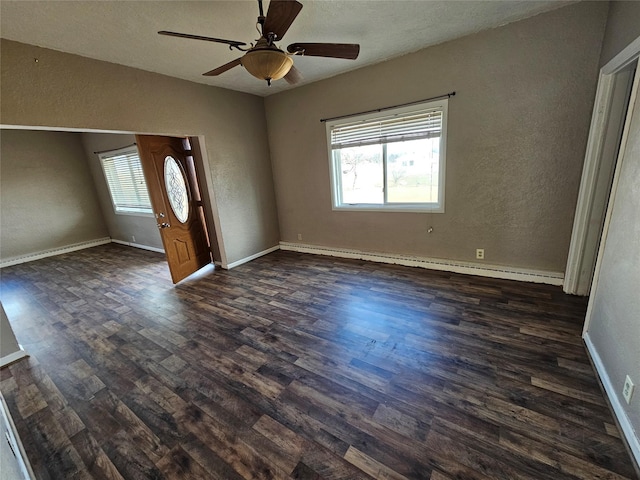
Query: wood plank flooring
x,y
296,366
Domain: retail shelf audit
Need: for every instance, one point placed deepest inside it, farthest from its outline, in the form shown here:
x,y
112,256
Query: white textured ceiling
x,y
125,32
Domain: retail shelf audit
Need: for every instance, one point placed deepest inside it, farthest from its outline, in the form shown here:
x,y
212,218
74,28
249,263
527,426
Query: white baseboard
x,y
252,257
481,269
137,245
11,432
7,262
13,357
623,420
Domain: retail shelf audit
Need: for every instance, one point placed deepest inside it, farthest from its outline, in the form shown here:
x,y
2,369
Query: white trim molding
x,y
249,258
7,262
627,56
614,187
590,171
574,281
13,357
621,416
469,268
13,438
138,245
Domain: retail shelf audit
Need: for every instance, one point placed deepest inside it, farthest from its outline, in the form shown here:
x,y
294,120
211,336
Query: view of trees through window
x,y
412,172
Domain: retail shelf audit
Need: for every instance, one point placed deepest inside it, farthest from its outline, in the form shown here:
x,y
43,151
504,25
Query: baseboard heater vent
x,y
484,270
7,262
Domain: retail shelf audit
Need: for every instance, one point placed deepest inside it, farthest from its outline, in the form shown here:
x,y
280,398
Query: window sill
x,y
135,214
388,208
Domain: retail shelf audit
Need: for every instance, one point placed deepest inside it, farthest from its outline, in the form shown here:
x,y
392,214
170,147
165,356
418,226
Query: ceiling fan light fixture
x,y
265,60
267,64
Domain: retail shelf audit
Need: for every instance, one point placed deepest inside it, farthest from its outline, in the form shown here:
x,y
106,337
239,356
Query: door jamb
x,y
635,97
629,437
592,163
201,161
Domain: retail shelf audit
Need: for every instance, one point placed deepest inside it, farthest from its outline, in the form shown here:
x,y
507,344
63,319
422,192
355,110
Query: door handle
x,y
163,225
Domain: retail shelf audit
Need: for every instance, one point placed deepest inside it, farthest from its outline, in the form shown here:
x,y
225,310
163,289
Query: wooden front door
x,y
170,175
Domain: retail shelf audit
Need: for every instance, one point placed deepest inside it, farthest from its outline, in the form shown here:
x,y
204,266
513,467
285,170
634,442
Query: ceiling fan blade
x,y
348,51
223,68
199,37
280,16
294,76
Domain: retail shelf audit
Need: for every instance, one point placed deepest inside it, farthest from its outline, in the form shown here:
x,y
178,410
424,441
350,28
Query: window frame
x,y
336,177
142,211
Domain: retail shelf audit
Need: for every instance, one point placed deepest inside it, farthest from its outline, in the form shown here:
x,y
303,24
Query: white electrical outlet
x,y
299,236
133,238
480,253
627,390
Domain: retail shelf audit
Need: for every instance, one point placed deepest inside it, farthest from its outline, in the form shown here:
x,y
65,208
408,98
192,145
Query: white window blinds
x,y
123,172
399,127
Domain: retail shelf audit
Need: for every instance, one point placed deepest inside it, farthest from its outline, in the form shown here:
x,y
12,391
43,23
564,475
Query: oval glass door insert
x,y
176,189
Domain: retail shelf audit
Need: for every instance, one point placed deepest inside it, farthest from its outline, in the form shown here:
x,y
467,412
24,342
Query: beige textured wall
x,y
517,134
47,197
64,90
623,27
121,227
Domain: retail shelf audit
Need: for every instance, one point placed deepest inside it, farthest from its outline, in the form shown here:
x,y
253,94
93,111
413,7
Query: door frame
x,y
629,436
211,213
203,172
580,247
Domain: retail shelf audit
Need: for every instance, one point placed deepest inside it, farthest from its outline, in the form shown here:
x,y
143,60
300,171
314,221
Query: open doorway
x,y
56,199
173,218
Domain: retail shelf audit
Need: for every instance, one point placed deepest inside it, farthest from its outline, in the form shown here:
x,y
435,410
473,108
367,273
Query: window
x,y
125,179
392,160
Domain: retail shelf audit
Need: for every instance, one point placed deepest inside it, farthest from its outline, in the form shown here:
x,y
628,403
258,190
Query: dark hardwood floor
x,y
299,366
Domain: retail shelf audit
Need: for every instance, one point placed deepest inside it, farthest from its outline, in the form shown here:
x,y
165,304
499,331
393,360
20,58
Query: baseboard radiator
x,y
480,269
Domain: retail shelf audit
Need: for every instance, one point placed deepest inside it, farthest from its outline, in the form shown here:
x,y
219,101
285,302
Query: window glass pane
x,y
413,171
392,160
125,179
361,174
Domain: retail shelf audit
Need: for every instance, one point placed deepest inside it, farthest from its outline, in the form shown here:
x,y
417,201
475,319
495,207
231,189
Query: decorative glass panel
x,y
176,189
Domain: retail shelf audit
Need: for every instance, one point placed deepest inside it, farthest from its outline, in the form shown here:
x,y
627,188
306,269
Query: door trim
x,y
629,435
614,188
592,165
212,215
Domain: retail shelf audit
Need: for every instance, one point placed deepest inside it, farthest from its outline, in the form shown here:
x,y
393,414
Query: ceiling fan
x,y
265,60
